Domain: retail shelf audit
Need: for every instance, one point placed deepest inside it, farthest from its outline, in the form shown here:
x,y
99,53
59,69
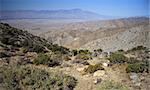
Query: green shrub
x,y
93,68
111,85
74,52
86,52
57,48
46,60
136,67
29,78
35,48
83,57
99,50
117,58
137,48
132,60
3,54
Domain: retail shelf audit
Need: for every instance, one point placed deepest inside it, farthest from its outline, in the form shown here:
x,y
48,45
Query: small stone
x,y
105,64
80,69
96,81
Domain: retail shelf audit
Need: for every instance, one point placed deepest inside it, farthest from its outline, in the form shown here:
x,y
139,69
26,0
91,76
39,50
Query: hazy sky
x,y
104,7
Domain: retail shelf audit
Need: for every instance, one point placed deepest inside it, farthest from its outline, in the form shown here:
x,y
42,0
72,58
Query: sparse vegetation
x,y
74,52
66,58
117,58
83,57
57,48
111,85
137,48
29,78
84,52
26,53
93,68
77,61
98,50
3,54
136,68
46,60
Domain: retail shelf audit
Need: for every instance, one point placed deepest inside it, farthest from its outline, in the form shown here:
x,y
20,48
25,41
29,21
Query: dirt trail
x,y
84,82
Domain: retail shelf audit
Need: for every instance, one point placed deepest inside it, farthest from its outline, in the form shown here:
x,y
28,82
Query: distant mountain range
x,y
52,14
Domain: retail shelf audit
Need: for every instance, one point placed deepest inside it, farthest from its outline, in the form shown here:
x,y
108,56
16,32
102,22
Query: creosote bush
x,y
93,68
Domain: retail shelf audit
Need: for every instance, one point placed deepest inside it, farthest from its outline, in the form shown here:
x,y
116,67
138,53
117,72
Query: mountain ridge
x,y
52,14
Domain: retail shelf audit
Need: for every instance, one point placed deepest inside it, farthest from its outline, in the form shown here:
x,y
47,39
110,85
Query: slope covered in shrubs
x,y
18,46
29,78
19,38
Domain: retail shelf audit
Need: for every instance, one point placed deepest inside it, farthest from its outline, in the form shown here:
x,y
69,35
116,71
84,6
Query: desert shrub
x,y
24,49
36,48
111,85
57,48
98,50
86,52
77,61
46,60
132,60
121,50
83,57
75,52
66,58
136,67
4,40
137,48
3,54
93,68
29,78
117,58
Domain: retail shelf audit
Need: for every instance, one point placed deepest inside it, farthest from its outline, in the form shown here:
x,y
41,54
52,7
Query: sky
x,y
104,7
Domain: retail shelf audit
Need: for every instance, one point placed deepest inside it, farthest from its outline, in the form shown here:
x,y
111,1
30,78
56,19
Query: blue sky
x,y
104,7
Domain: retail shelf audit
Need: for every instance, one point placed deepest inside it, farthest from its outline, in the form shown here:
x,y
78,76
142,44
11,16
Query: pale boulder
x,y
81,69
99,73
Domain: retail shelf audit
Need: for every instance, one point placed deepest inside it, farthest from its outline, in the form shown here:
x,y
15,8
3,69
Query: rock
x,y
99,73
135,79
81,69
105,64
96,81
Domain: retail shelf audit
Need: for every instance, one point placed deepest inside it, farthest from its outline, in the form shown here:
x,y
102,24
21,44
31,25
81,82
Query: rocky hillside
x,y
28,62
20,52
109,35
